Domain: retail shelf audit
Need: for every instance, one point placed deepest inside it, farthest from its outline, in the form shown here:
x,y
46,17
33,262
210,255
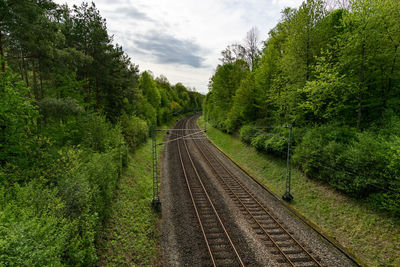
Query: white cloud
x,y
193,31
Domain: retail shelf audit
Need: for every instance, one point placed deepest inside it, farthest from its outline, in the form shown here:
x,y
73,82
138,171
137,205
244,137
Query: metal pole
x,y
156,199
205,121
205,115
287,196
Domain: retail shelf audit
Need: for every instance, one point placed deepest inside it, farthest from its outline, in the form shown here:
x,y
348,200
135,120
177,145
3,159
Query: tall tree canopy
x,y
72,104
333,71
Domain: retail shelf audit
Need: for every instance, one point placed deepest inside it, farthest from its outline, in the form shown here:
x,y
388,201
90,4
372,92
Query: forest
x,y
333,73
72,105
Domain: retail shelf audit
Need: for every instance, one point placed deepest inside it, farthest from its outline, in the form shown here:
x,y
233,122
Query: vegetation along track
x,y
268,228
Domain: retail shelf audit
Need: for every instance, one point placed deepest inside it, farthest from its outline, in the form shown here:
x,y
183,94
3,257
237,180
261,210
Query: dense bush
x,y
363,165
32,230
61,109
57,180
59,168
17,120
339,72
66,122
135,130
55,220
246,134
274,141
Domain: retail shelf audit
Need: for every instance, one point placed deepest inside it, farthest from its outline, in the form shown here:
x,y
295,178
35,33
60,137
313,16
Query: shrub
x,y
276,145
17,120
59,109
274,142
135,130
32,231
100,135
363,165
86,185
258,142
317,152
247,133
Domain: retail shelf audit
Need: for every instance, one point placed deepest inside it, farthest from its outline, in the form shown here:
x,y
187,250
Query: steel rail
x,y
211,205
195,208
243,187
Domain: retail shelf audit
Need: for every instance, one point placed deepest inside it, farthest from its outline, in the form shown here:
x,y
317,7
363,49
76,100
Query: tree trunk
x,y
21,67
308,55
360,88
25,70
97,96
35,88
87,87
40,79
389,87
3,63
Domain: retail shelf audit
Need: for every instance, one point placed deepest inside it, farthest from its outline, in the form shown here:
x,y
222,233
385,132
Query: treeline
x,y
72,104
334,73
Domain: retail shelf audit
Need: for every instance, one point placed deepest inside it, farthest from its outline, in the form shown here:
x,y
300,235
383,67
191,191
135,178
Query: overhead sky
x,y
183,39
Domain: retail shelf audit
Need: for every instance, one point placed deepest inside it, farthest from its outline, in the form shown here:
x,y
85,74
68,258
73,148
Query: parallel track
x,y
220,247
279,240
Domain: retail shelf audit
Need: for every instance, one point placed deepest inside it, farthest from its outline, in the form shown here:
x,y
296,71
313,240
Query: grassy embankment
x,y
372,236
131,234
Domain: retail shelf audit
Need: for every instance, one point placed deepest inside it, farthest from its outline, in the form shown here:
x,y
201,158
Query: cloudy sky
x,y
183,39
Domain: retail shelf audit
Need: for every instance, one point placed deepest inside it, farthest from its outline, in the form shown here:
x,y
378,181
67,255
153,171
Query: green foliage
x,y
334,75
244,106
359,164
224,84
246,133
273,142
135,131
17,119
149,89
58,224
327,97
29,237
86,185
52,108
100,135
317,154
131,235
71,104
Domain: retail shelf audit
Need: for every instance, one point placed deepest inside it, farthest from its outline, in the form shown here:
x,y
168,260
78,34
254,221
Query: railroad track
x,y
276,237
221,250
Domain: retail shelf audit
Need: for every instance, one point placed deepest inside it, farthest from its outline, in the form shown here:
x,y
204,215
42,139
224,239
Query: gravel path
x,y
181,238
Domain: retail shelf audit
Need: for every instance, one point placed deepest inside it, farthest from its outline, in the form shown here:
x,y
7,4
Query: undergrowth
x,y
131,236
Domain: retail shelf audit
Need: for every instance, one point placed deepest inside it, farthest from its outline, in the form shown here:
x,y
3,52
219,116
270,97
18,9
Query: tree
x,y
30,34
224,83
328,95
232,53
17,120
251,47
149,89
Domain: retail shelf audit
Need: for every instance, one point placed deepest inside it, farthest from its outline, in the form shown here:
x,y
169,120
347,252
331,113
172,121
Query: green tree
x,y
223,85
149,89
17,122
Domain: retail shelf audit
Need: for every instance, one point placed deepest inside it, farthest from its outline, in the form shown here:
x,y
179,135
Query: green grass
x,y
372,236
131,235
